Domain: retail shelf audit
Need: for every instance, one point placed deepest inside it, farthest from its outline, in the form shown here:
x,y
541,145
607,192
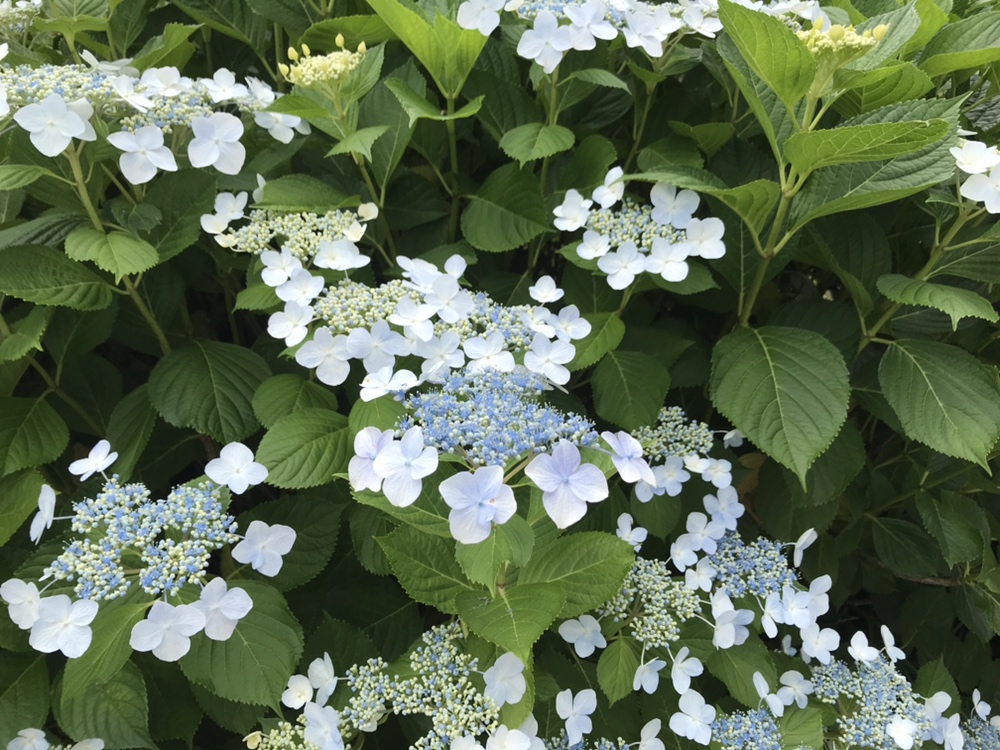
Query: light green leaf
x,y
506,212
934,677
803,727
359,142
510,542
944,397
516,619
426,568
536,141
116,711
785,388
208,385
956,303
979,263
588,567
736,666
281,395
710,136
109,650
14,176
305,448
384,413
417,107
316,522
428,513
599,77
257,297
299,192
629,388
254,665
897,82
118,253
31,433
20,499
182,198
356,29
968,43
771,49
47,277
169,48
957,522
26,335
823,148
606,332
24,693
616,669
130,427
904,547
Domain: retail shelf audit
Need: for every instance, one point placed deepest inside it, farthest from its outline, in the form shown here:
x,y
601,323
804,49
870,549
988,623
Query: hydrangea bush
x,y
470,375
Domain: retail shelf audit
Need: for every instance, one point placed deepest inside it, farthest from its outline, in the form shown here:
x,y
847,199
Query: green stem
x,y
453,158
73,155
639,127
147,314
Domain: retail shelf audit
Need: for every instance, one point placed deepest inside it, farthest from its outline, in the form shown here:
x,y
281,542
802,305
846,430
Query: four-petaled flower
x,y
477,500
567,484
167,630
217,143
403,464
263,547
505,681
144,154
101,457
223,608
575,711
63,625
51,123
45,515
236,468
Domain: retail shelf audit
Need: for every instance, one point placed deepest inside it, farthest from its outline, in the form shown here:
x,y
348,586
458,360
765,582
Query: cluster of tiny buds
x,y
308,70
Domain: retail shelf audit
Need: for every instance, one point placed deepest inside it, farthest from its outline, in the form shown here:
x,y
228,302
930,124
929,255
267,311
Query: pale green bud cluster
x,y
632,222
675,435
309,70
350,305
653,602
299,233
843,43
169,112
17,18
285,736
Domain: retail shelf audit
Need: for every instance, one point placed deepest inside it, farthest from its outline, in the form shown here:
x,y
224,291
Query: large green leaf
x,y
736,667
510,542
944,397
426,567
14,176
31,433
506,212
968,43
588,567
428,513
47,277
281,395
956,303
606,332
369,29
957,522
254,664
629,388
516,618
979,263
20,499
119,252
299,192
823,148
25,335
898,82
771,49
785,388
208,385
418,108
116,711
182,198
616,669
305,448
233,18
536,141
24,693
130,428
904,547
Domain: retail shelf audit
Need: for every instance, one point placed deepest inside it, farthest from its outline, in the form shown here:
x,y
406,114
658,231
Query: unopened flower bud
x,y
340,41
305,50
880,31
292,54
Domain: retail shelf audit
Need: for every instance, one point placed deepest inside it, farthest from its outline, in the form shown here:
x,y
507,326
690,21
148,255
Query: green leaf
x,y
381,107
957,522
606,332
116,711
812,150
771,49
629,388
417,107
904,547
281,395
26,335
710,136
109,650
254,665
166,685
944,397
299,192
72,333
130,428
14,176
233,18
305,449
208,386
316,522
24,693
846,187
536,141
118,253
257,297
968,43
428,513
359,142
446,49
588,567
506,212
182,198
31,433
832,472
599,77
981,263
803,727
516,619
899,82
616,669
47,277
296,16
511,542
736,667
369,29
384,413
426,567
956,303
20,499
933,677
785,388
169,48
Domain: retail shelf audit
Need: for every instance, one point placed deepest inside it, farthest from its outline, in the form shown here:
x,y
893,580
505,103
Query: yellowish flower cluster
x,y
309,70
841,41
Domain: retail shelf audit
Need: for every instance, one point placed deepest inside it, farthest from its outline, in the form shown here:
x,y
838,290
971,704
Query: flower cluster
x,y
317,70
747,730
674,435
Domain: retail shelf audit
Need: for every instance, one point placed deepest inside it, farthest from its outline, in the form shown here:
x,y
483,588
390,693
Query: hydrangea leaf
x,y
616,668
47,277
629,388
428,513
735,667
24,693
606,332
511,542
956,303
31,433
118,253
305,448
516,618
130,427
967,43
506,212
426,567
536,141
281,395
115,711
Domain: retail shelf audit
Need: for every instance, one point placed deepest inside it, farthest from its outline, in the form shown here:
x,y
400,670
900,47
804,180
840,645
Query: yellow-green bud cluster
x,y
675,435
312,70
631,222
299,233
841,42
285,736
